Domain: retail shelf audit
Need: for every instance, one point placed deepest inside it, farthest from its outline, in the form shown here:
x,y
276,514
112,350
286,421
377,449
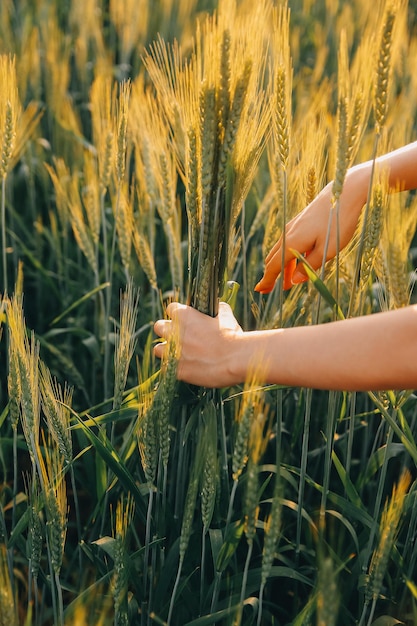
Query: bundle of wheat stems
x,y
217,110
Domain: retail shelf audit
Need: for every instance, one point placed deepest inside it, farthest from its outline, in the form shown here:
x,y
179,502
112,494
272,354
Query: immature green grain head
x,y
148,443
56,506
124,516
163,397
24,356
240,449
190,501
35,528
273,525
388,531
13,387
56,405
210,471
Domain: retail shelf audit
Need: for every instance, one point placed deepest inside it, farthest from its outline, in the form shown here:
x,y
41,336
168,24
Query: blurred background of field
x,y
124,497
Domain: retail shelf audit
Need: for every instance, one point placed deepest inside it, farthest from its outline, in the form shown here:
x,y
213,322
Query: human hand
x,y
306,233
207,345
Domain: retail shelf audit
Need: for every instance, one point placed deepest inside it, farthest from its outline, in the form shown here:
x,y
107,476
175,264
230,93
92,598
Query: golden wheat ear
x,y
125,341
56,403
10,111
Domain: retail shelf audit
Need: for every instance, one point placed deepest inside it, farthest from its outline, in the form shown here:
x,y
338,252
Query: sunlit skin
x,y
307,232
371,352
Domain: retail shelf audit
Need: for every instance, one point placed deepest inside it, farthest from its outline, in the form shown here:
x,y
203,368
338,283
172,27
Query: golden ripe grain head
x,y
125,341
24,353
56,403
10,110
103,111
399,228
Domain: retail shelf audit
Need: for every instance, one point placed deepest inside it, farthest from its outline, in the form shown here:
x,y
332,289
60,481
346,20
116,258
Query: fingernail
x,y
262,289
298,277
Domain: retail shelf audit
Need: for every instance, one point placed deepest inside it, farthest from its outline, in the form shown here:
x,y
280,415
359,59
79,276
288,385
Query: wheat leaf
x,y
319,284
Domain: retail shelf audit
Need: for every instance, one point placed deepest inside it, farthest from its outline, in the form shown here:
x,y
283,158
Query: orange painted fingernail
x,y
298,277
288,274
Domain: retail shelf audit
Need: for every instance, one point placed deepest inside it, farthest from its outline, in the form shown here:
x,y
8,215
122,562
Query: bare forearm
x,y
400,165
373,352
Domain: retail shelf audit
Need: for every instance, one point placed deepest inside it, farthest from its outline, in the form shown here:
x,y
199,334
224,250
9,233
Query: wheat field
x,y
155,150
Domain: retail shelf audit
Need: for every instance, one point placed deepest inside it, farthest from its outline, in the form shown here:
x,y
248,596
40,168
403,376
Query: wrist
x,y
249,359
237,358
357,182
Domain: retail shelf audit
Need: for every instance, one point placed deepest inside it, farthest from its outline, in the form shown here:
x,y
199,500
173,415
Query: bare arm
x,y
306,233
365,353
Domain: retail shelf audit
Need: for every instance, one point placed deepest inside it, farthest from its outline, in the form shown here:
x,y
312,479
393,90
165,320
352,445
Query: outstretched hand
x,y
306,233
207,345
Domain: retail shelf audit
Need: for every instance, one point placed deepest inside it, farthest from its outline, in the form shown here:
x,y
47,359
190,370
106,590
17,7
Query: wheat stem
x,y
330,429
238,619
303,466
361,244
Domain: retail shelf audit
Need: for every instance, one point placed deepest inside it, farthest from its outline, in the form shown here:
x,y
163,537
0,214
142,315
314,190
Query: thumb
x,y
174,308
226,316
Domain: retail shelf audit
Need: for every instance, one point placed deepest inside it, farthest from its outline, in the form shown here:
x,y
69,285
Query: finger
x,y
288,274
315,259
272,270
174,308
276,249
297,275
159,349
163,328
